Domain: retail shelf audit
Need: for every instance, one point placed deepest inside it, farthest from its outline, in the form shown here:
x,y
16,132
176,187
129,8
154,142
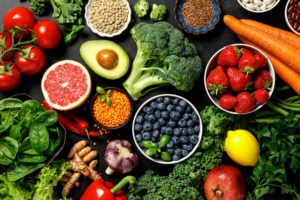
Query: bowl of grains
x,y
197,16
258,6
108,18
113,115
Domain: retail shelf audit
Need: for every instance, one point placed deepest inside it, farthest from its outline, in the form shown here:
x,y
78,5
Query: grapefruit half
x,y
66,85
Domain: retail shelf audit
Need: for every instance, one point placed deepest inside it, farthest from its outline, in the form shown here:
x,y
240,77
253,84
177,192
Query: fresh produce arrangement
x,y
68,144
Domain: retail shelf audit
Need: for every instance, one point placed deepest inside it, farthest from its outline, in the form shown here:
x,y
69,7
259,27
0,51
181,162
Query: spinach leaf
x,y
9,146
30,151
39,137
31,159
50,150
19,169
4,160
48,118
25,133
25,144
3,128
7,118
15,131
35,107
25,116
10,103
57,143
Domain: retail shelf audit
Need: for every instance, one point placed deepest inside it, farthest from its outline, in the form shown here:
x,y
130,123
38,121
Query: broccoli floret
x,y
141,8
158,12
163,57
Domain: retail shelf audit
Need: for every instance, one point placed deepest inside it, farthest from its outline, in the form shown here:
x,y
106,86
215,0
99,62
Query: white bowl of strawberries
x,y
239,79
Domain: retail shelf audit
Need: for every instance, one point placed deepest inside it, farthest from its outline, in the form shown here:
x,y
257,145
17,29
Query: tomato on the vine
x,y
7,82
7,43
32,62
19,16
47,33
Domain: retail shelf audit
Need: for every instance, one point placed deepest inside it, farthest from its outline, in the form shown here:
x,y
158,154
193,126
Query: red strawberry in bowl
x,y
217,81
244,51
262,80
228,101
229,90
238,80
261,96
229,56
248,64
245,103
261,60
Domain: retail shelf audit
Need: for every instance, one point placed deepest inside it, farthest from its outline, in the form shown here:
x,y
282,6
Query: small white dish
x,y
287,19
262,11
89,24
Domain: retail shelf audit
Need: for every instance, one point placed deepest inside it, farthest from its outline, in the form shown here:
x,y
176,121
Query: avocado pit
x,y
107,58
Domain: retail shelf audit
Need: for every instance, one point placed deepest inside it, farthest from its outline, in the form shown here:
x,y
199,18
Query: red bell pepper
x,y
103,190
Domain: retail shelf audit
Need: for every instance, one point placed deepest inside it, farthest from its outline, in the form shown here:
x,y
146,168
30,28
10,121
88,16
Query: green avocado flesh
x,y
105,58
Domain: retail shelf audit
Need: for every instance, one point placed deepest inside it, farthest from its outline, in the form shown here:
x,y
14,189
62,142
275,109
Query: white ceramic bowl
x,y
287,20
89,24
254,11
212,64
159,160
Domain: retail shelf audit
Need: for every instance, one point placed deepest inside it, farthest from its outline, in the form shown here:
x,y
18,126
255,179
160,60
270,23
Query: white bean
x,y
264,6
245,1
268,2
257,2
270,6
250,6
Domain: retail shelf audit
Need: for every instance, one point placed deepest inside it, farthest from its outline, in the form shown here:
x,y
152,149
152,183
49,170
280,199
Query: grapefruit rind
x,y
81,100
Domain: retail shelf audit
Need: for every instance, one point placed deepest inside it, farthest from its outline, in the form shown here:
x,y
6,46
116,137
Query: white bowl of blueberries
x,y
167,129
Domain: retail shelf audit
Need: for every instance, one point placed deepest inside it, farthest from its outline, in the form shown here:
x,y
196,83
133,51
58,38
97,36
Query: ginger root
x,y
85,151
90,156
70,184
77,147
83,168
94,174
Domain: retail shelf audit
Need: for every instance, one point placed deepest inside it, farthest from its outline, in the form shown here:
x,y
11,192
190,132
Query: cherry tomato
x,y
8,43
48,34
19,16
7,82
35,63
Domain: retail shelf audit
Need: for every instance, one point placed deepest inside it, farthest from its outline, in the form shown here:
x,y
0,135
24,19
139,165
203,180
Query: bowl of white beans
x,y
258,6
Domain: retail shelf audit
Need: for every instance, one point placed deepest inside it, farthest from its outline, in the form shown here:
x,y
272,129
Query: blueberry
x,y
183,131
146,117
186,116
170,151
153,139
169,131
160,99
161,106
171,123
139,119
195,117
157,114
174,115
187,147
190,123
145,108
188,109
184,139
165,115
140,144
170,145
190,131
151,118
138,127
142,131
138,137
175,140
147,126
184,152
176,101
149,110
142,114
194,139
183,103
176,131
177,147
156,155
170,108
197,129
178,152
153,105
179,109
155,126
175,157
155,133
161,121
163,129
146,136
182,123
167,100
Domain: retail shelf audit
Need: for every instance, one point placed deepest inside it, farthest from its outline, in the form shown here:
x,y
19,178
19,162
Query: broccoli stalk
x,y
158,12
141,8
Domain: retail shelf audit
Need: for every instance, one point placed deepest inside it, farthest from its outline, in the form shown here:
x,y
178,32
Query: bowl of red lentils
x,y
197,16
115,115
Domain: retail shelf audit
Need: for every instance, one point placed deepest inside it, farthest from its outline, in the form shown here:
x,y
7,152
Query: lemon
x,y
242,147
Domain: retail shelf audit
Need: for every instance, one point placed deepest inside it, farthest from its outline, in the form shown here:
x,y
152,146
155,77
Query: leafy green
x,y
48,118
25,145
31,159
7,118
18,169
9,103
9,147
34,106
3,128
25,116
39,137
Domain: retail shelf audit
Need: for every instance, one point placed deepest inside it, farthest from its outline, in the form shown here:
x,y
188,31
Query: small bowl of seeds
x,y
197,16
108,18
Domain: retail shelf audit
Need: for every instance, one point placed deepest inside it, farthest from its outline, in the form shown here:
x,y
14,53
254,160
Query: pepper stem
x,y
124,181
85,129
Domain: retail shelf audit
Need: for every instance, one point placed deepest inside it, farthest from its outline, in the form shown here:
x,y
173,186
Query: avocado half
x,y
106,58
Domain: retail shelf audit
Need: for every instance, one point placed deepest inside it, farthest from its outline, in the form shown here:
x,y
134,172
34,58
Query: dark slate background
x,y
207,45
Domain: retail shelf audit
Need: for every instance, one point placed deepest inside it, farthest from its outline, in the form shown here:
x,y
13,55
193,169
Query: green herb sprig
x,y
104,95
73,30
152,148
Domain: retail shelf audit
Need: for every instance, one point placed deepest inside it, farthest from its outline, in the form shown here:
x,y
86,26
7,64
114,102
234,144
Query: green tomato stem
x,y
122,183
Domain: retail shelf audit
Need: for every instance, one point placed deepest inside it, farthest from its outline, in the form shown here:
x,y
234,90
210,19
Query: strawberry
x,y
261,96
244,51
217,81
238,80
261,60
248,64
228,101
262,80
229,90
225,69
229,56
245,103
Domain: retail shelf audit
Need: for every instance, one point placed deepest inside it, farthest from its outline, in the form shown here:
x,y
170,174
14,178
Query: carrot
x,y
287,53
285,36
290,76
